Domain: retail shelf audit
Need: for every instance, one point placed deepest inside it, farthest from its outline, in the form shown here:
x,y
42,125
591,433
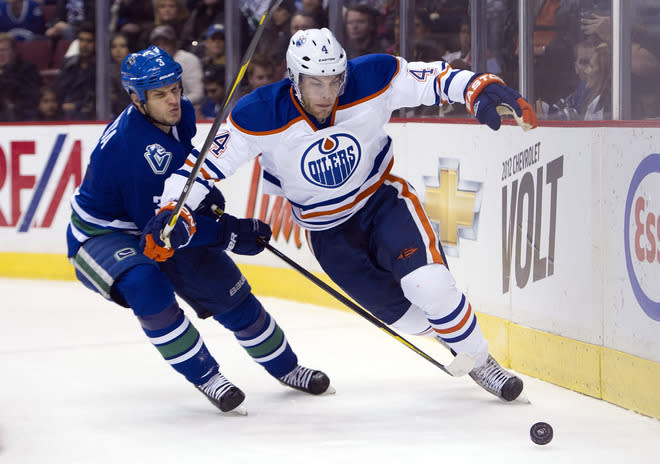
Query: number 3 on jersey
x,y
219,144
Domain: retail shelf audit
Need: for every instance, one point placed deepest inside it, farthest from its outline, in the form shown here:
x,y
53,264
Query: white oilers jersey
x,y
326,171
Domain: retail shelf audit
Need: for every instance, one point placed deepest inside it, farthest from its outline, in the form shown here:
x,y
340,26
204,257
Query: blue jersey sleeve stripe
x,y
448,83
211,167
271,178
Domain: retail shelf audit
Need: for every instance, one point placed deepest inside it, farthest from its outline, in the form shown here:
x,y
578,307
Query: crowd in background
x,y
48,65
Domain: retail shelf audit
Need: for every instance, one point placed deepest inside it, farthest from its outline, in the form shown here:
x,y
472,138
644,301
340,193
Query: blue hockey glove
x,y
488,98
206,207
240,235
151,241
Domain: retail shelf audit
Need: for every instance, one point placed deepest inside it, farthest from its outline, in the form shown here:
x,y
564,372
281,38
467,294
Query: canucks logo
x,y
158,158
331,161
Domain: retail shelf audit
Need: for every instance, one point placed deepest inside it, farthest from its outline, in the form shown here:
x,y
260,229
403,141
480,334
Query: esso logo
x,y
642,235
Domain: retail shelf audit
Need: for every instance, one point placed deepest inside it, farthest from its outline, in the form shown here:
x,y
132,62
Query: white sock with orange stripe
x,y
433,289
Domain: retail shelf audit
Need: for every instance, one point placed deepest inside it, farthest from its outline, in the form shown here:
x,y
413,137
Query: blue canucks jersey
x,y
126,173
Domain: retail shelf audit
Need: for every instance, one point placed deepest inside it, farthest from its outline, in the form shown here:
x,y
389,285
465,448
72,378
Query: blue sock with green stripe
x,y
261,337
179,342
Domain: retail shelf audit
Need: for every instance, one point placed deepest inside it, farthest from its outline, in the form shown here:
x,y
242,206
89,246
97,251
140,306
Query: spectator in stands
x,y
424,48
132,18
571,107
465,51
19,83
119,48
556,32
49,108
69,15
316,9
165,38
360,22
76,82
645,60
276,35
214,90
206,13
214,47
598,102
387,9
444,16
260,72
171,12
300,21
23,19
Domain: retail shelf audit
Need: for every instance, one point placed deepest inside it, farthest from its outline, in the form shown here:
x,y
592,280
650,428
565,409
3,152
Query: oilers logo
x,y
331,161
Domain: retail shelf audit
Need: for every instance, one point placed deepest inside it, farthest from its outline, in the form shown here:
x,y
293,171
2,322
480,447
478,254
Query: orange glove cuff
x,y
156,252
476,86
528,114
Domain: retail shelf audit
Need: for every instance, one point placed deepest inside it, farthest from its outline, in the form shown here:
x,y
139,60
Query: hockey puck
x,y
541,433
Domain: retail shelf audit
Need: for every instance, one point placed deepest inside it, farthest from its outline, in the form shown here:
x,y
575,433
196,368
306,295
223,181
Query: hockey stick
x,y
462,363
216,123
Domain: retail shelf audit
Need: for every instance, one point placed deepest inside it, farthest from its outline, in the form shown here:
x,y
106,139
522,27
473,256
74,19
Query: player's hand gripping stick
x,y
160,248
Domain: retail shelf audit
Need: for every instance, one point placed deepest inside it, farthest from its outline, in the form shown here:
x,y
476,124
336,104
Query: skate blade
x,y
330,391
461,365
522,398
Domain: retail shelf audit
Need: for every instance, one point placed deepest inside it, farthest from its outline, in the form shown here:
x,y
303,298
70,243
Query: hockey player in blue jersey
x,y
117,201
323,147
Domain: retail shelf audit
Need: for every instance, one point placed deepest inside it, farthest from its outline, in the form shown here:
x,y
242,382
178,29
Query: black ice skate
x,y
226,396
496,380
308,380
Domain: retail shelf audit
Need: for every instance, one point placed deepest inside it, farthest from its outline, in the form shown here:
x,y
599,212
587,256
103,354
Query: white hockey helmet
x,y
315,52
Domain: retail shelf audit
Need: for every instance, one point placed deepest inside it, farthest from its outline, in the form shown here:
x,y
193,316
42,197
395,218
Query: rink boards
x,y
553,234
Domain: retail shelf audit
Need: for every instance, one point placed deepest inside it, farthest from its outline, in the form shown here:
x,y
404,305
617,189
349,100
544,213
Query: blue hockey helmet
x,y
149,69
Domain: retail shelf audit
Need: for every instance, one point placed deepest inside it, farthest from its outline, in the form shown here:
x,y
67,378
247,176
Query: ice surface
x,y
81,384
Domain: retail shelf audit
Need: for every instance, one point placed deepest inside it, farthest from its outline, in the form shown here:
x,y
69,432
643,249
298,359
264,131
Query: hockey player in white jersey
x,y
323,147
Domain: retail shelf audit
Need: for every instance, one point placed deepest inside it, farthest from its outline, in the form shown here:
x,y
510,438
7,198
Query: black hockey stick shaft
x,y
353,306
218,120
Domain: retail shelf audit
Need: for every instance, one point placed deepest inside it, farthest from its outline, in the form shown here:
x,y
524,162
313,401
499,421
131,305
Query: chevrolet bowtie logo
x,y
452,204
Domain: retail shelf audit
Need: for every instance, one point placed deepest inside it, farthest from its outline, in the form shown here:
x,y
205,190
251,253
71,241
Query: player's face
x,y
319,94
163,105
